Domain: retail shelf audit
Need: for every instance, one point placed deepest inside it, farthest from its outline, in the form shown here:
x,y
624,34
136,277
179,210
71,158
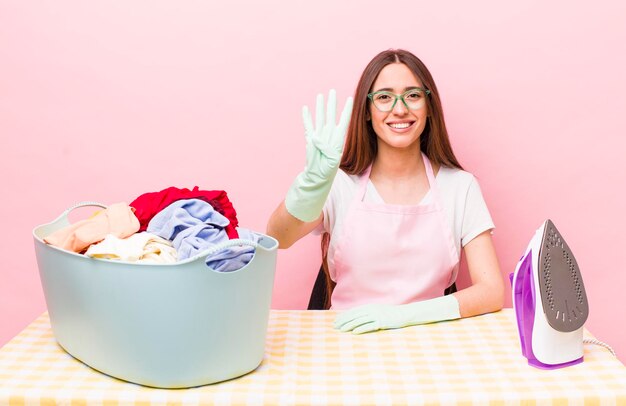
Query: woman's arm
x,y
287,229
487,291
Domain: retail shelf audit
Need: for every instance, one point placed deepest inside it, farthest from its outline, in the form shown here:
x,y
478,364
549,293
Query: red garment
x,y
149,204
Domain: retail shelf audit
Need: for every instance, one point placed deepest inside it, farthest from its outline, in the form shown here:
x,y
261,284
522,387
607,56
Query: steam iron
x,y
550,301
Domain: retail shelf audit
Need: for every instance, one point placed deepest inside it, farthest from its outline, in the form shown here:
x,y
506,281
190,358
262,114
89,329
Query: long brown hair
x,y
361,140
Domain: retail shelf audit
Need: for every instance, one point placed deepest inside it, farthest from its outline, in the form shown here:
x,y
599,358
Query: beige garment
x,y
140,247
118,219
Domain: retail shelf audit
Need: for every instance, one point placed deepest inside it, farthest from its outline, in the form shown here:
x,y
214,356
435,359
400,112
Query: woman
x,y
399,211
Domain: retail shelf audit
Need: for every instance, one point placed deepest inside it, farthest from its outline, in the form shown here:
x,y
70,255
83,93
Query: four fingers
x,y
326,137
330,117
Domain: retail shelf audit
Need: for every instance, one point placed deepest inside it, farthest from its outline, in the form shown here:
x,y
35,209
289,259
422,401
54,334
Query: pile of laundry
x,y
162,228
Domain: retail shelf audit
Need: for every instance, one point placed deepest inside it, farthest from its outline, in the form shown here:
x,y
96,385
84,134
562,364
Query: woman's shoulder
x,y
455,175
456,182
462,194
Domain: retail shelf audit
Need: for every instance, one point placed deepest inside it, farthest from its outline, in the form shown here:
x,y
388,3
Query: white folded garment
x,y
139,247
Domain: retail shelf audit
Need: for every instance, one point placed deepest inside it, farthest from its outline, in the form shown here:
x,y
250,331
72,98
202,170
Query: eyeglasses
x,y
413,99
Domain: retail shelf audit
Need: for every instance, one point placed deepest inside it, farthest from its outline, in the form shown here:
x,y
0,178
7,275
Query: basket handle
x,y
63,216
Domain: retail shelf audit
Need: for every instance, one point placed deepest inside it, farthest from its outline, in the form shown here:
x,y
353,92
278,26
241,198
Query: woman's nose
x,y
400,109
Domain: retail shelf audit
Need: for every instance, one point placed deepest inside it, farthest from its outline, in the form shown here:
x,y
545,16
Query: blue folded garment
x,y
194,226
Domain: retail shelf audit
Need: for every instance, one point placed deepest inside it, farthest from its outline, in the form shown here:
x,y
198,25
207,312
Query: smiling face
x,y
400,127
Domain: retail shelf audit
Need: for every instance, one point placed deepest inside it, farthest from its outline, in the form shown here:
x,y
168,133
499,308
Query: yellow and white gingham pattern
x,y
465,362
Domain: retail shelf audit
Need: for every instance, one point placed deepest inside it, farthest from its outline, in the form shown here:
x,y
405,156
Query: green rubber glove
x,y
372,317
324,146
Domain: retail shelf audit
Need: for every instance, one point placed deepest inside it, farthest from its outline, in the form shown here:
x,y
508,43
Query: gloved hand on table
x,y
324,146
372,317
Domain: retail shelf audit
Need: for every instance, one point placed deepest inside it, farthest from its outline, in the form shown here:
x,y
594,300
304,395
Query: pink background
x,y
107,100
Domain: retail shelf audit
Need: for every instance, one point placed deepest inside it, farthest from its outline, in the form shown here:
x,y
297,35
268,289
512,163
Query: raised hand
x,y
324,146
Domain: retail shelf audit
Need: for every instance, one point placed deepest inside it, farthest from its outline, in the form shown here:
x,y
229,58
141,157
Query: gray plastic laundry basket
x,y
170,326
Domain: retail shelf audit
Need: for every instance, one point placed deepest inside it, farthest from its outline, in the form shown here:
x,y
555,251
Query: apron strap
x,y
365,177
432,183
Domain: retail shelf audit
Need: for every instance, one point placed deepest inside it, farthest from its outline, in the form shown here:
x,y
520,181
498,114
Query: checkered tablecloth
x,y
470,361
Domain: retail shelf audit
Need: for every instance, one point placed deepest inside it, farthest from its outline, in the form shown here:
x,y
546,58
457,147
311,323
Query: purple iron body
x,y
549,301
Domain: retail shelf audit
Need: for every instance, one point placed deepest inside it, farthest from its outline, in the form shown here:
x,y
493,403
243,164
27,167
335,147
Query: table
x,y
470,361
